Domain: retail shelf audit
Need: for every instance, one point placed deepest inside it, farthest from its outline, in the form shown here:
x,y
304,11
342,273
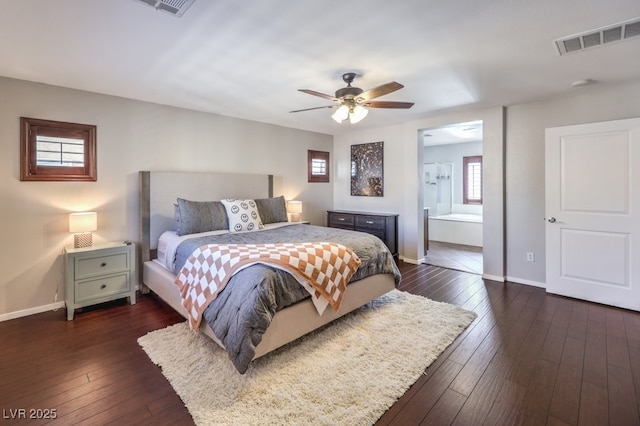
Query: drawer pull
x,y
369,222
341,219
103,286
103,264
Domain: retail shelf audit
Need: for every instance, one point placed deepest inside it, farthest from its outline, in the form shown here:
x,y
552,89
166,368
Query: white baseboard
x,y
31,311
527,282
493,278
412,261
37,310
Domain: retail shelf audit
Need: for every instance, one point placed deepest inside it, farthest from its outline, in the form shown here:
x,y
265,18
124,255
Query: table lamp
x,y
81,225
295,208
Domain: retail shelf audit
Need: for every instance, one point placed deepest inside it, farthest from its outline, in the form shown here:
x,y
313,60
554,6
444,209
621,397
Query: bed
x,y
158,195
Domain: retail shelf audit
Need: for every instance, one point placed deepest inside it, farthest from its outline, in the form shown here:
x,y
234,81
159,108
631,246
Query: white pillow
x,y
243,215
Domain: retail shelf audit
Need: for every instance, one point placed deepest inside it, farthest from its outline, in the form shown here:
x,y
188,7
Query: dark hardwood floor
x,y
529,358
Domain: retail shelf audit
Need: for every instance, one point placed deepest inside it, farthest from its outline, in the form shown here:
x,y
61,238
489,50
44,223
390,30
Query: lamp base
x,y
83,239
295,217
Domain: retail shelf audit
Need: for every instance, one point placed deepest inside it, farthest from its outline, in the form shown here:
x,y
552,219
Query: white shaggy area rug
x,y
348,373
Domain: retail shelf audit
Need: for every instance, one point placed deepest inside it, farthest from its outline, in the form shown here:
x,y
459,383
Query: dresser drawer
x,y
377,233
100,265
102,287
371,222
382,225
341,220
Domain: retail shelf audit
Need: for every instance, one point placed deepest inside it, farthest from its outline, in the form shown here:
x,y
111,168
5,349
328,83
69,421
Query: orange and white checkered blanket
x,y
322,268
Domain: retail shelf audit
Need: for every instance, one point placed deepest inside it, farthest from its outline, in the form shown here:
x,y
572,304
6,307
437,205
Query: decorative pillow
x,y
199,216
243,215
272,210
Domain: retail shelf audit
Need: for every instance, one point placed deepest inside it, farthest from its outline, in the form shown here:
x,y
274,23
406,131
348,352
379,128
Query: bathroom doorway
x,y
452,194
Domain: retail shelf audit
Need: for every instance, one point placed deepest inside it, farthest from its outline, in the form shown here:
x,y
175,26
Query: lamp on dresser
x,y
82,225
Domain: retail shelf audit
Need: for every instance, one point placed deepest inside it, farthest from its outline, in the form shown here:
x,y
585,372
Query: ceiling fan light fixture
x,y
357,114
351,101
341,114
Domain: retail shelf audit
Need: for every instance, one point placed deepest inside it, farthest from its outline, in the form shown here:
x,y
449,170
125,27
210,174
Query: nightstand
x,y
99,274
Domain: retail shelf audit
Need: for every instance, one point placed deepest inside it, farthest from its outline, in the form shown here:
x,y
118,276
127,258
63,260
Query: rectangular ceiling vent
x,y
599,37
174,7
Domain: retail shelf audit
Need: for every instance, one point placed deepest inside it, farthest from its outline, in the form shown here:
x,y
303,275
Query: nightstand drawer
x,y
98,274
100,265
102,287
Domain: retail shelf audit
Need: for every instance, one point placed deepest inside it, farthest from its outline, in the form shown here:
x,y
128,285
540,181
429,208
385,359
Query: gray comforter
x,y
241,313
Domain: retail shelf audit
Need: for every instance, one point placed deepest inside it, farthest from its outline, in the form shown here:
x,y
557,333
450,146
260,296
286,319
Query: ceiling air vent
x,y
599,37
174,7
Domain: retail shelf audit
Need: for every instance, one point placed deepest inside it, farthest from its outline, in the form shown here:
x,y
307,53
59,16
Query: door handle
x,y
550,219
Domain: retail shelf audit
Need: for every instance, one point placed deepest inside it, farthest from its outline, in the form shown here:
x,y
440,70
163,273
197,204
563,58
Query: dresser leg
x,y
70,314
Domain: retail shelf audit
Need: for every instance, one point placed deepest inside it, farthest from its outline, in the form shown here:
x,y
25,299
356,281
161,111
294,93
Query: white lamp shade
x,y
359,112
341,113
83,222
294,206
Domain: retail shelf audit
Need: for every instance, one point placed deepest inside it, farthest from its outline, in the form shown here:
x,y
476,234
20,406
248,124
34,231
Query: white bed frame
x,y
158,192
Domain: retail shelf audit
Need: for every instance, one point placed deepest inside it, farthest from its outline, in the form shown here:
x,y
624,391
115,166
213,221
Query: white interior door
x,y
593,212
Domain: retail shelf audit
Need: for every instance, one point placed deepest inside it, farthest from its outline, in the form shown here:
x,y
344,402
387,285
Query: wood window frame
x,y
317,155
465,179
31,128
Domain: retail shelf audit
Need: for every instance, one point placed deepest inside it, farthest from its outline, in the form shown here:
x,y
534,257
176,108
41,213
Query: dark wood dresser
x,y
382,225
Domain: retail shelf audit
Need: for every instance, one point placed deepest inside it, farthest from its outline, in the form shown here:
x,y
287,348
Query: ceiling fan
x,y
351,101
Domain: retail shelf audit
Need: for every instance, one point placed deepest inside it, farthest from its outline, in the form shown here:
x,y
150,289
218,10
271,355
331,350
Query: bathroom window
x,y
472,179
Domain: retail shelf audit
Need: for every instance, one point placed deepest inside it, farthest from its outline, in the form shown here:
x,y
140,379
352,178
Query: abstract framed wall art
x,y
367,169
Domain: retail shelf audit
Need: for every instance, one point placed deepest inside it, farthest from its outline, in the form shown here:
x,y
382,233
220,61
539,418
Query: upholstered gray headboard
x,y
158,192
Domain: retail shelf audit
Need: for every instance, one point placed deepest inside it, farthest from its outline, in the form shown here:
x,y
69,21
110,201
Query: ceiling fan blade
x,y
309,109
380,91
388,104
314,93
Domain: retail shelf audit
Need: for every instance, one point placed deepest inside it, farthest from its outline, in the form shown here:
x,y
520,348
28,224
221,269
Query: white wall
x,y
135,136
518,196
403,163
393,179
131,136
525,183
